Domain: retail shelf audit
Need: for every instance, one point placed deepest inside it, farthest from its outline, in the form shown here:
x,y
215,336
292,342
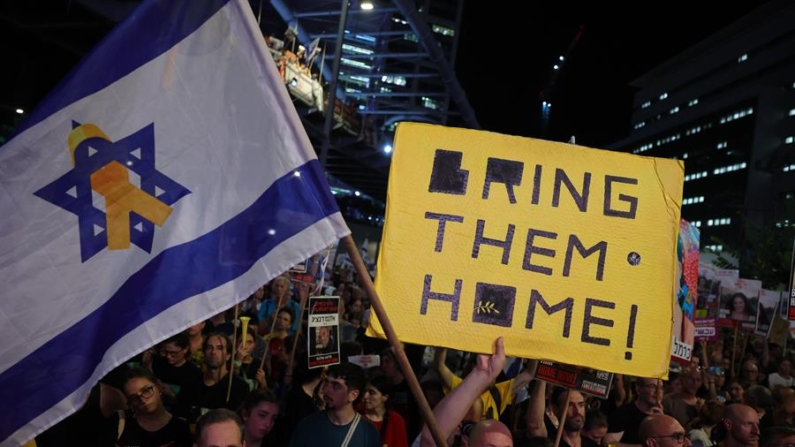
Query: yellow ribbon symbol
x,y
112,181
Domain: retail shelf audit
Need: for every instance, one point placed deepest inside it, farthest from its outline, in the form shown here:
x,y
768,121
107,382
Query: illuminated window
x,y
355,63
731,168
742,58
692,102
430,103
442,30
356,50
648,103
692,200
663,96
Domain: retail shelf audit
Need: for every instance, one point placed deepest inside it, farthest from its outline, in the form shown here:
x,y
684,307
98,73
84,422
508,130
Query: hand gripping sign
x,y
567,252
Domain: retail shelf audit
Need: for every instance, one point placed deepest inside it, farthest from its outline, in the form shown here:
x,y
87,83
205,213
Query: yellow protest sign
x,y
567,252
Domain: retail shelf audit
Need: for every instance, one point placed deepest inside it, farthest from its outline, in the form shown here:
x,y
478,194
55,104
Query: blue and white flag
x,y
164,180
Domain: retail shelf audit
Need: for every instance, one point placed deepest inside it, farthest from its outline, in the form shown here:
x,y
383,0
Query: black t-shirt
x,y
174,434
196,399
626,419
297,406
175,377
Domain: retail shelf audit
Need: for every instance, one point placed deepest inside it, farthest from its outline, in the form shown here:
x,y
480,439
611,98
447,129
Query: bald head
x,y
742,426
490,433
659,425
738,412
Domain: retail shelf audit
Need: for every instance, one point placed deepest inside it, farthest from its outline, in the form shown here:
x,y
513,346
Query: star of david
x,y
73,190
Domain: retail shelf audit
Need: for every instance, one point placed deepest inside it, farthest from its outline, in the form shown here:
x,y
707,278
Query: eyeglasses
x,y
145,393
679,438
168,353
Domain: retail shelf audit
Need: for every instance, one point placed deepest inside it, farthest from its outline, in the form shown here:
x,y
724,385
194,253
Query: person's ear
x,y
353,395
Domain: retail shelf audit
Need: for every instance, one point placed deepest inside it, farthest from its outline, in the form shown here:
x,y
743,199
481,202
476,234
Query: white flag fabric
x,y
164,180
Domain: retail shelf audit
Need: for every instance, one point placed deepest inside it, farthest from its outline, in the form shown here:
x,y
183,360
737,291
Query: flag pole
x,y
234,342
367,283
291,362
562,421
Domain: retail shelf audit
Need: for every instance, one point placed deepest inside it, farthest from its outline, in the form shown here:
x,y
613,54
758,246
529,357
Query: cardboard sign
x,y
738,304
767,309
595,383
686,293
323,341
567,252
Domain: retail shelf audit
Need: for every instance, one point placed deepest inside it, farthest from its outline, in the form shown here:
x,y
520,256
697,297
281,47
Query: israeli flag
x,y
163,181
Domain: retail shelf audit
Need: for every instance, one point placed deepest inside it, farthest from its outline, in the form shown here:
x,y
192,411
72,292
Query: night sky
x,y
506,59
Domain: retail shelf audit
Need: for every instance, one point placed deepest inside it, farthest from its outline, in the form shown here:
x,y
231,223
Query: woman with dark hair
x,y
388,422
739,308
259,413
147,423
173,368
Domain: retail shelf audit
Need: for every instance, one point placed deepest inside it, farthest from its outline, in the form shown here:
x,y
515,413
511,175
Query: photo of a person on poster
x,y
739,307
325,340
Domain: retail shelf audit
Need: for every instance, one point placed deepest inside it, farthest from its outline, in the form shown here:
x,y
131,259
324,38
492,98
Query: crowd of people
x,y
214,380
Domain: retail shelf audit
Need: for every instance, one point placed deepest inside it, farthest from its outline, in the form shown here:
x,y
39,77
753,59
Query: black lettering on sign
x,y
589,319
536,185
447,176
601,247
530,249
633,201
505,245
427,295
494,304
443,219
508,172
567,304
580,199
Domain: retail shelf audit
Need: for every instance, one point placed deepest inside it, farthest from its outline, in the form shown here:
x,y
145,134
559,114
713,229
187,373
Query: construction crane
x,y
544,96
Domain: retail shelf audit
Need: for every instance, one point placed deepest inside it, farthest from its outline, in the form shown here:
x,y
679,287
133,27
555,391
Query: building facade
x,y
726,106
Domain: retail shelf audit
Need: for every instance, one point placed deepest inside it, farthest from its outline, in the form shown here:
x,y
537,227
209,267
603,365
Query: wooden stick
x,y
234,342
734,348
366,282
290,363
274,315
746,339
563,418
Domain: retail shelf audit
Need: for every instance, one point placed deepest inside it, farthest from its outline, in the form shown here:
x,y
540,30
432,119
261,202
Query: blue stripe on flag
x,y
157,25
63,364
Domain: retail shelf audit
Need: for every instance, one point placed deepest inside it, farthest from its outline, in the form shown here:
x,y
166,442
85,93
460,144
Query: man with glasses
x,y
661,430
624,422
